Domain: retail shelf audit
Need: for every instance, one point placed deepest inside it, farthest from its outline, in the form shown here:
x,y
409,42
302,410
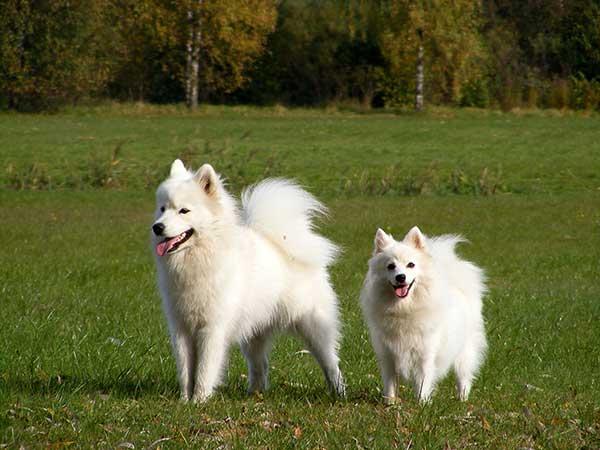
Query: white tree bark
x,y
420,73
188,65
193,56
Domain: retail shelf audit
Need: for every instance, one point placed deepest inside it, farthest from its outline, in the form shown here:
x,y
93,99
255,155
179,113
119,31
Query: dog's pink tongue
x,y
402,291
163,247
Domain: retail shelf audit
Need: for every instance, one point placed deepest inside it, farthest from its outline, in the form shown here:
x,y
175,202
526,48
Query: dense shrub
x,y
53,52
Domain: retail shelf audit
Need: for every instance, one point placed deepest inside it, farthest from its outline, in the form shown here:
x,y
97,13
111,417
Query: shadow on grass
x,y
68,384
283,390
139,388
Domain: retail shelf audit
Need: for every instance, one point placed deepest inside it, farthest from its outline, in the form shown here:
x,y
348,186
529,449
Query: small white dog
x,y
228,276
422,304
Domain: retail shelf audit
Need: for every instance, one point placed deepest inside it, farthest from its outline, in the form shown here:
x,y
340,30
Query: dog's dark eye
x,y
391,266
184,211
162,209
410,265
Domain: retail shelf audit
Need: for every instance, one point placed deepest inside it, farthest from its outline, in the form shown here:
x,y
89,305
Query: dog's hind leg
x,y
256,351
320,332
467,364
463,367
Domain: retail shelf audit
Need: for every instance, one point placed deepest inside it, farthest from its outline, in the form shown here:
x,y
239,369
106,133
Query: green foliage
x,y
394,91
60,52
536,49
52,52
580,39
559,94
154,36
451,39
500,53
585,94
148,51
233,35
475,93
307,57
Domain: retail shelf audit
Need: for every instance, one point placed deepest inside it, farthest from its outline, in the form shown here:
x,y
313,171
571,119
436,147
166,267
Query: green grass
x,y
522,153
84,352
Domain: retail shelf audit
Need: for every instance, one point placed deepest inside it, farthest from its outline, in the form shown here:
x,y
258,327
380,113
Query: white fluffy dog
x,y
228,275
422,304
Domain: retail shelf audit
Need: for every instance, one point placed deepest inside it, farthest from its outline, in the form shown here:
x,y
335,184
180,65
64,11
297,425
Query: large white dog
x,y
423,307
228,275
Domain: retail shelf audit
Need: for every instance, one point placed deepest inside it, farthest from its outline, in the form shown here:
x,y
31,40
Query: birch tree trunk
x,y
420,73
193,55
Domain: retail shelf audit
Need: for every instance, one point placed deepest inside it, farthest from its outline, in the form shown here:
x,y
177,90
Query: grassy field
x,y
84,353
445,151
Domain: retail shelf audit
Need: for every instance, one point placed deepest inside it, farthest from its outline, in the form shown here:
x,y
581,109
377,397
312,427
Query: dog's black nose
x,y
158,228
401,278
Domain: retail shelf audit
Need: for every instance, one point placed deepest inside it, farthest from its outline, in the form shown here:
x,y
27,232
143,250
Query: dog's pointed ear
x,y
207,178
178,169
382,240
415,238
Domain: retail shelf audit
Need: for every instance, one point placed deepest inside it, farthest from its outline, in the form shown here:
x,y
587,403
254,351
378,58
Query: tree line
x,y
489,53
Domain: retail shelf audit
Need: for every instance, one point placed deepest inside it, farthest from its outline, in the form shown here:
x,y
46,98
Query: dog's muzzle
x,y
169,245
403,289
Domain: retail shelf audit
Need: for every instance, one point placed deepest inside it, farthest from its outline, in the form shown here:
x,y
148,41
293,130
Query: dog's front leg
x,y
389,377
425,380
185,356
184,351
212,352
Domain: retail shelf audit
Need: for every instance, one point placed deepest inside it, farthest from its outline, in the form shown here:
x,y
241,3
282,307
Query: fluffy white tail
x,y
462,274
283,212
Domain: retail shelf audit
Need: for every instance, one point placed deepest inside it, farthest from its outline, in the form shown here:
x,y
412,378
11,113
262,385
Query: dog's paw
x,y
337,386
463,392
425,400
389,401
200,397
257,388
256,392
340,390
183,398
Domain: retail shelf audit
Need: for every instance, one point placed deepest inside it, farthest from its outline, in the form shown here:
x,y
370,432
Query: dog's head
x,y
188,204
399,266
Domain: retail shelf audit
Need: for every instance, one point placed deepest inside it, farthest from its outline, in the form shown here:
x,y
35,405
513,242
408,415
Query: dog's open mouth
x,y
402,290
171,244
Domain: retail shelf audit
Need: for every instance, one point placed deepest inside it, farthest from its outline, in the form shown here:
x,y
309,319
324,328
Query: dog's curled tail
x,y
283,212
464,274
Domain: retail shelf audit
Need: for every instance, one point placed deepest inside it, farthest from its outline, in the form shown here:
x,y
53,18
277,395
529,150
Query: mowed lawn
x,y
84,352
